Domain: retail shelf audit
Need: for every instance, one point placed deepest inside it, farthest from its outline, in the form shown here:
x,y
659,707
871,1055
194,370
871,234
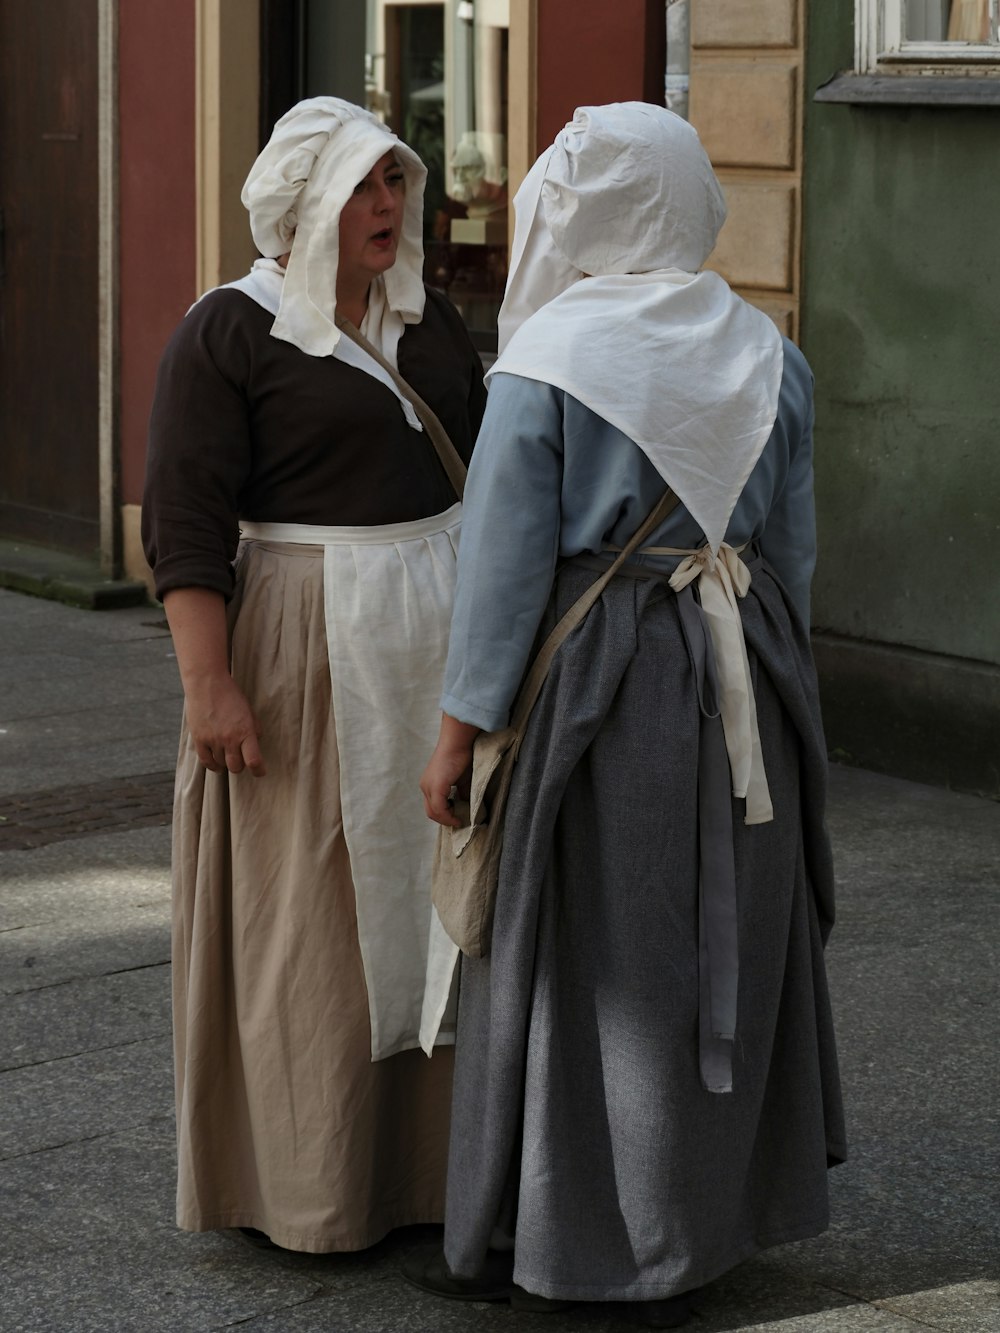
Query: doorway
x,y
49,451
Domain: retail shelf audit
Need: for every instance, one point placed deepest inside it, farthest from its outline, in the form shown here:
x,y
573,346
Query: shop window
x,y
912,35
437,72
678,79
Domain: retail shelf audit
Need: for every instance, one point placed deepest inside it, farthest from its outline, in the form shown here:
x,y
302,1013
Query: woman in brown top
x,y
308,964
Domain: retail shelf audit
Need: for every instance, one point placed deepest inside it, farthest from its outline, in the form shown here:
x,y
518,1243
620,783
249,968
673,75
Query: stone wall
x,y
745,101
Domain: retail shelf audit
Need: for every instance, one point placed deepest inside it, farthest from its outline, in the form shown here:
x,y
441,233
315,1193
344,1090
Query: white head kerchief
x,y
604,299
317,154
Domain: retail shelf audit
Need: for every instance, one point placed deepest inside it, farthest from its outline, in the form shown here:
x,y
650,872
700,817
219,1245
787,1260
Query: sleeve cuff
x,y
484,718
181,572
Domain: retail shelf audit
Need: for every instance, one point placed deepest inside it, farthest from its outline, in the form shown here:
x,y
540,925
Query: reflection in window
x,y
678,56
436,71
951,21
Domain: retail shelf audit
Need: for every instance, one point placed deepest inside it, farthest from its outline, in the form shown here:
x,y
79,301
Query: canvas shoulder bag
x,y
450,458
467,859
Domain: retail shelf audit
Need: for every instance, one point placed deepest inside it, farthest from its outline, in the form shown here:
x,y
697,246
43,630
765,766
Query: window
x,y
949,36
437,72
678,78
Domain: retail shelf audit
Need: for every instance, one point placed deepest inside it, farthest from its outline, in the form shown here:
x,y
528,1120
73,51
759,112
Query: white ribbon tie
x,y
724,578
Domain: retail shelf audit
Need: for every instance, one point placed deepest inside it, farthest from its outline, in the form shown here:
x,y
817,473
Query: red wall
x,y
594,51
157,203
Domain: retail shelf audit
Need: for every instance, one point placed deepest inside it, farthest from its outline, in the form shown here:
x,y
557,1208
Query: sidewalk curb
x,y
59,576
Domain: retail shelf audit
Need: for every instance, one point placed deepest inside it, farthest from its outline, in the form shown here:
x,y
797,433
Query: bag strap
x,y
446,451
535,678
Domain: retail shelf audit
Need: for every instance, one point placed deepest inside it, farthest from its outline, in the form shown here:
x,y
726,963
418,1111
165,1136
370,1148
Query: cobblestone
x,y
42,817
88,1243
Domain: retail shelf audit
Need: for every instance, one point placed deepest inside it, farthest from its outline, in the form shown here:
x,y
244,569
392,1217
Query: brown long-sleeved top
x,y
244,425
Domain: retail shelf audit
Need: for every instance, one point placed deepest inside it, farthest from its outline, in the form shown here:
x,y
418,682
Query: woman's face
x,y
371,222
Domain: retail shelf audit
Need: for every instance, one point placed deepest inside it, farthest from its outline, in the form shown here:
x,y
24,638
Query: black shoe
x,y
428,1270
260,1240
671,1312
526,1302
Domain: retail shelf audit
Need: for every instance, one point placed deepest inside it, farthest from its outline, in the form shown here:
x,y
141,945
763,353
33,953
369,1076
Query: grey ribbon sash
x,y
718,942
718,935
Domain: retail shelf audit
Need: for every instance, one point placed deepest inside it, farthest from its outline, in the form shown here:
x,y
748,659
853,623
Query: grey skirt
x,y
580,1124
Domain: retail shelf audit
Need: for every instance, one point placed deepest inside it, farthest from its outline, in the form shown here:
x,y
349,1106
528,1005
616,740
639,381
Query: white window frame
x,y
879,44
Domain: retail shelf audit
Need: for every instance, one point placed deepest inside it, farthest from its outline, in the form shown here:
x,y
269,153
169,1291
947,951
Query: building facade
x,y
862,222
901,322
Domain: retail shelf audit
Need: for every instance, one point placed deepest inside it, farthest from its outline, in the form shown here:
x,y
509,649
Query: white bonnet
x,y
608,300
625,188
317,154
629,189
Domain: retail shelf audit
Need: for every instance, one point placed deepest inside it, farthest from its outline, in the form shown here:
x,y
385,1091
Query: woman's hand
x,y
219,718
223,727
450,766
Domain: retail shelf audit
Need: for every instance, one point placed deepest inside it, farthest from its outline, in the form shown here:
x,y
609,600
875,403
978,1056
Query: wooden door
x,y
49,455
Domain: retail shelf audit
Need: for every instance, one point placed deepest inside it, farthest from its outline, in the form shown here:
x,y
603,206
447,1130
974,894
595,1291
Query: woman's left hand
x,y
450,766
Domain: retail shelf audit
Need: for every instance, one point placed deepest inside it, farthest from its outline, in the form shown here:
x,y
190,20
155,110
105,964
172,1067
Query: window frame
x,y
879,46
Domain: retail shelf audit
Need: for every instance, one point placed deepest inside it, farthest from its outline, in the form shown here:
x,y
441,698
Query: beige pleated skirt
x,y
284,1123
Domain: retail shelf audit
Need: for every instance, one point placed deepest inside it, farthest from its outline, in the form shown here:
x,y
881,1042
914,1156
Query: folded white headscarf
x,y
604,300
317,154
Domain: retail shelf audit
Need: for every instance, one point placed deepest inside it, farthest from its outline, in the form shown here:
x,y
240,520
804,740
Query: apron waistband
x,y
380,534
723,579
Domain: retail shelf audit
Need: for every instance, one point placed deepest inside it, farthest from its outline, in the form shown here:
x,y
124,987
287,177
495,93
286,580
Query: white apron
x,y
388,594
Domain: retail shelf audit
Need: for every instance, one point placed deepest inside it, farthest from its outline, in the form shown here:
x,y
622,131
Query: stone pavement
x,y
89,711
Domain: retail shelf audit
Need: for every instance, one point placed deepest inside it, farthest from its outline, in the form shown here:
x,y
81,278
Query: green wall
x,y
901,323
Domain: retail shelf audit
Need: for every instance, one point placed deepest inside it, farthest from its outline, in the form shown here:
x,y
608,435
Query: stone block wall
x,y
747,59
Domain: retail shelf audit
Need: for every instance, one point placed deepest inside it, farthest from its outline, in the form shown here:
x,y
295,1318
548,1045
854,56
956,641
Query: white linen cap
x,y
317,154
628,189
